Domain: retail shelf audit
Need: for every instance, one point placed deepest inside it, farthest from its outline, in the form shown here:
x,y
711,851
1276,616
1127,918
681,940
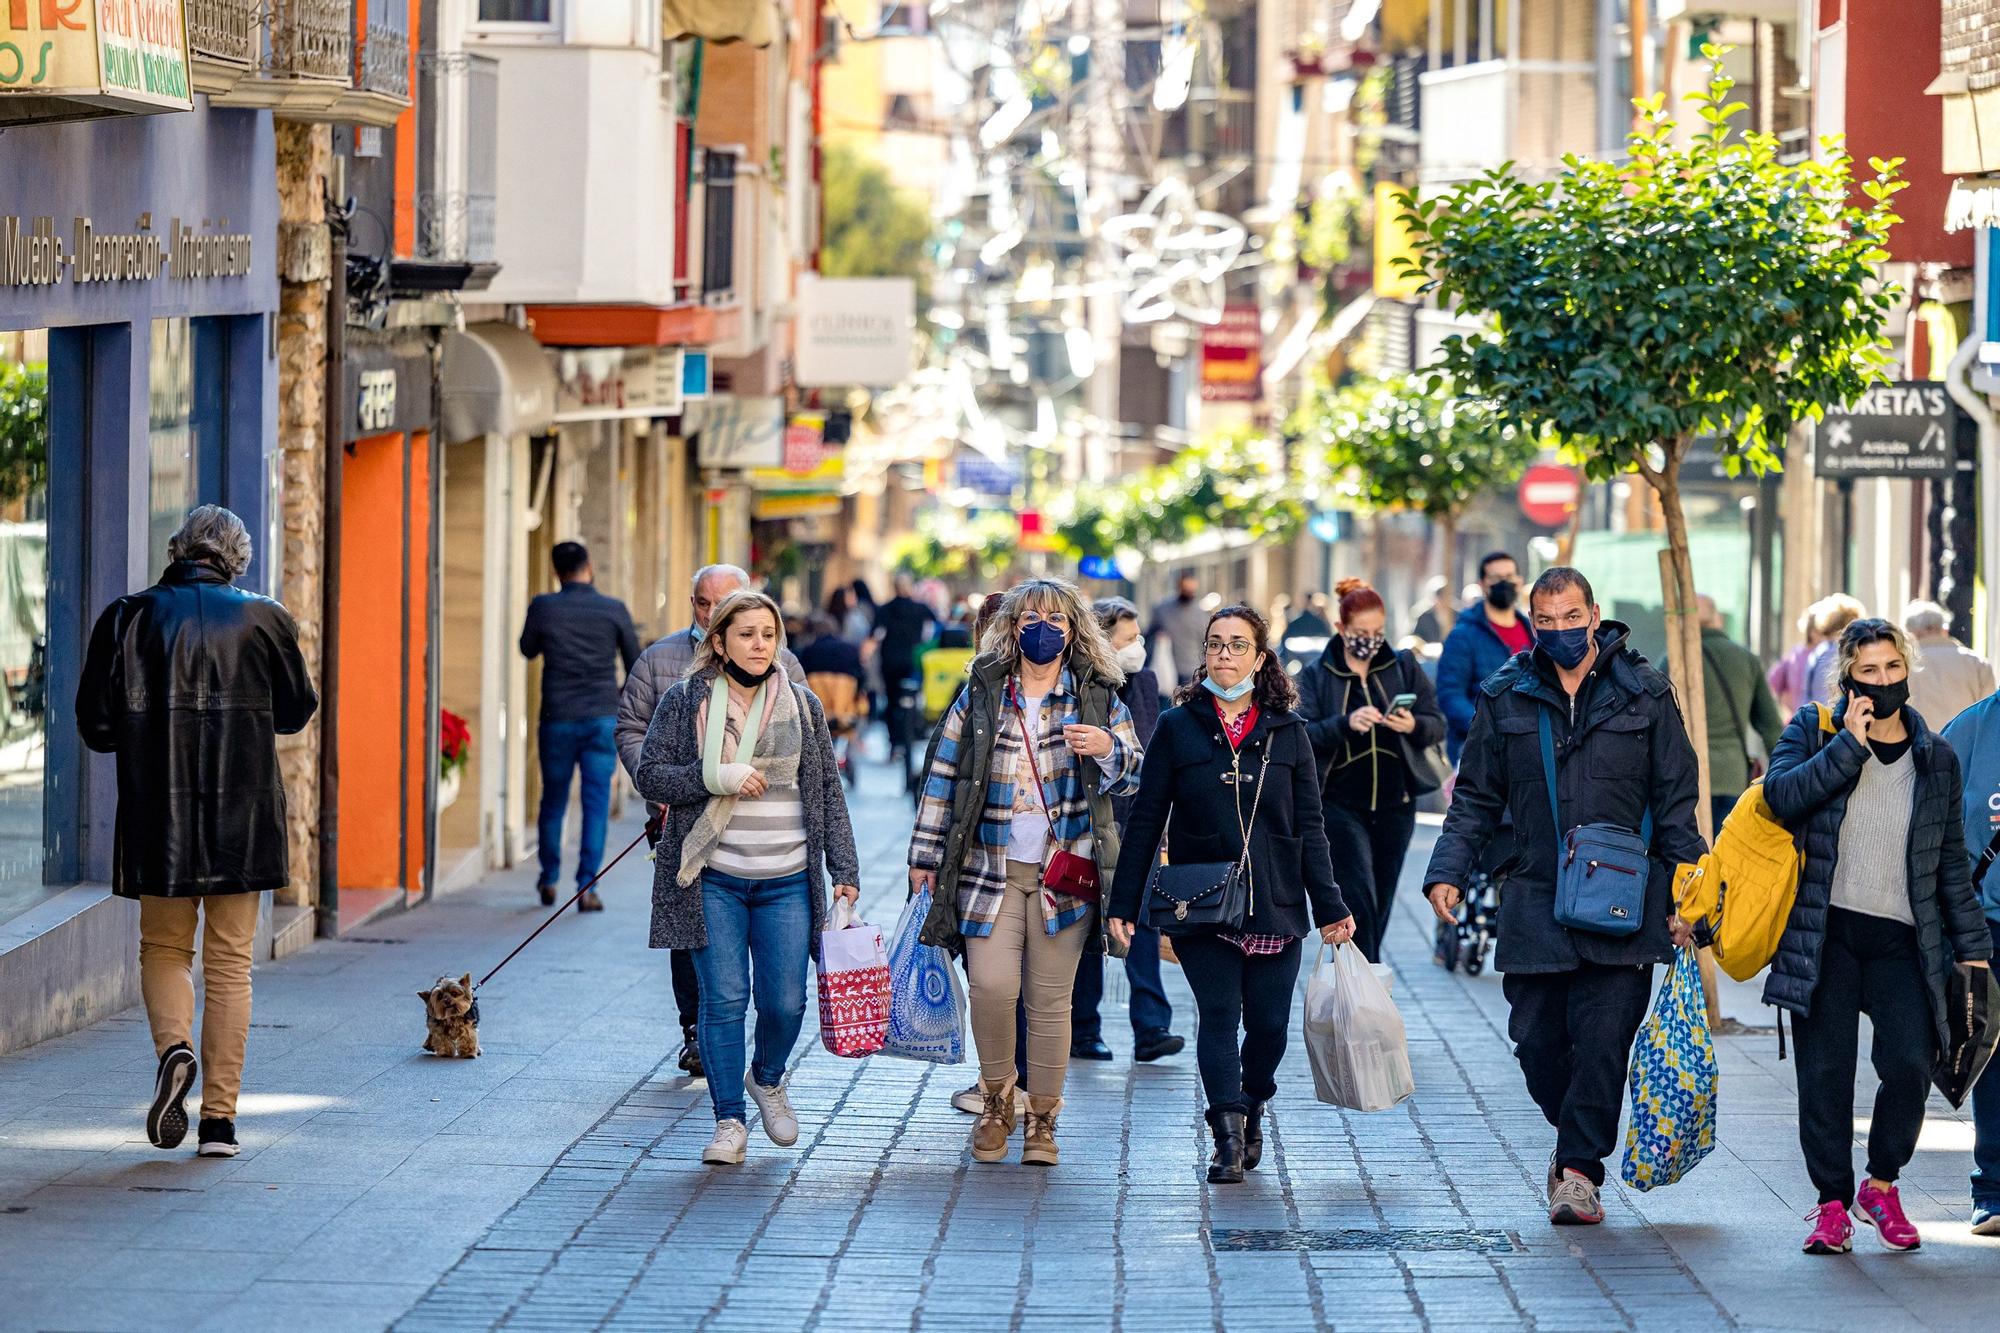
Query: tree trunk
x,y
1566,544
1445,561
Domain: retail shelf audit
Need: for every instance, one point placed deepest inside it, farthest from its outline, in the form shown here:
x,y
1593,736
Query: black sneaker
x,y
1158,1046
690,1060
217,1137
167,1120
547,893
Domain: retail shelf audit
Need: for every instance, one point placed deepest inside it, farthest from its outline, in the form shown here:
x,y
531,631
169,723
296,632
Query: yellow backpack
x,y
1743,889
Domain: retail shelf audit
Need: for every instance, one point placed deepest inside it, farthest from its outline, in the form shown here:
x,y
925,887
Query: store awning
x,y
752,21
496,380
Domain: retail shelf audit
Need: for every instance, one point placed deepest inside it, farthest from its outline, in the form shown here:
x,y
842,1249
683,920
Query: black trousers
x,y
1368,850
1869,965
687,988
1572,1032
1237,994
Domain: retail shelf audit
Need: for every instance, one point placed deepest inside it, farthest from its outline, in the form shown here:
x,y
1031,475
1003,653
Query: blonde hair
x,y
1830,615
1860,634
1087,650
708,655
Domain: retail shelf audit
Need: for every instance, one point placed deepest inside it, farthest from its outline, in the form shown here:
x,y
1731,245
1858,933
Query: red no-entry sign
x,y
1549,494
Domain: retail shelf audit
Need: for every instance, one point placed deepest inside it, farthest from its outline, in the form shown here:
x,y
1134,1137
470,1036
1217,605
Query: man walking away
x,y
1974,735
665,661
1948,679
1185,624
1482,641
578,632
903,625
1620,754
1739,702
190,683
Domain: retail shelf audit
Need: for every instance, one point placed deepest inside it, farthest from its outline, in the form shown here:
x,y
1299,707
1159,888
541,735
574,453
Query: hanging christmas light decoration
x,y
1177,253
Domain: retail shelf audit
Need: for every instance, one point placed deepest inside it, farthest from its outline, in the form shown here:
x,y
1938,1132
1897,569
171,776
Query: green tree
x,y
1696,289
1399,444
872,228
24,429
1238,480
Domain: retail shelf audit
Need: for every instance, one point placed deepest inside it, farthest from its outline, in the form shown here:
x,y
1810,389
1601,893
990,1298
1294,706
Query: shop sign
x,y
1897,430
1098,567
1549,494
34,254
985,476
1973,204
606,383
1231,357
387,385
694,374
796,504
116,55
375,408
809,462
854,331
742,433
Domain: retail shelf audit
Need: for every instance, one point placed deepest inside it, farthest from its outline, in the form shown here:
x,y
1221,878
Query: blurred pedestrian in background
x,y
1739,707
1946,679
1486,635
1787,676
1181,622
903,624
1974,737
1435,614
1831,615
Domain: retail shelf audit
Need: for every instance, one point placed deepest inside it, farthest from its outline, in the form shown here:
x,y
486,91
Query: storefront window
x,y
24,575
170,426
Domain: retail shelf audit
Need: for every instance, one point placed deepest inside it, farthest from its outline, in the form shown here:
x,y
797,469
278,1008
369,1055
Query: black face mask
x,y
749,680
1888,699
1502,594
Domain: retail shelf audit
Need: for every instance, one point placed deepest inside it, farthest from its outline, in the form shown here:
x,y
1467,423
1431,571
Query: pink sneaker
x,y
1832,1233
1883,1210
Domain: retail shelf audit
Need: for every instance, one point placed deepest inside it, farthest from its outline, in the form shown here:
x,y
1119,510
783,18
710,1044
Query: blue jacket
x,y
1974,736
1472,652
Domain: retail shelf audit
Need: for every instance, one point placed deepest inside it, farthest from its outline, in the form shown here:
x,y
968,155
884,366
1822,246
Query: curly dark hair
x,y
1274,691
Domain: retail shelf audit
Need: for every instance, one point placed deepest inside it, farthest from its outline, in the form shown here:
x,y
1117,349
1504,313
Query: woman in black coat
x,y
1364,746
1230,759
1885,903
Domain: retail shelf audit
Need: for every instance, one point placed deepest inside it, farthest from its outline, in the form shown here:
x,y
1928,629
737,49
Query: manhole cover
x,y
1251,1240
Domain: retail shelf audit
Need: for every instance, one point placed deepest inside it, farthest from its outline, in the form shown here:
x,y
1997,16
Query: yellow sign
x,y
1392,242
100,56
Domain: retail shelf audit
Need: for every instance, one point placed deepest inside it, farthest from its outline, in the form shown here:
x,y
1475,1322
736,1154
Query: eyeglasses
x,y
1056,618
1228,648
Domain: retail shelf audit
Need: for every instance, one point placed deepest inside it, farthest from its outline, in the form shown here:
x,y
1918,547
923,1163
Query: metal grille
x,y
312,39
223,30
455,217
382,64
1254,1240
718,226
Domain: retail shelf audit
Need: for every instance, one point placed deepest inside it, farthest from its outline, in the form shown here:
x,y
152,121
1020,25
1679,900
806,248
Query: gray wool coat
x,y
669,774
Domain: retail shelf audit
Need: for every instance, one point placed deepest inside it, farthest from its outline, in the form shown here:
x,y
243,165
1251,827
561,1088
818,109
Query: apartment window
x,y
910,18
538,12
718,225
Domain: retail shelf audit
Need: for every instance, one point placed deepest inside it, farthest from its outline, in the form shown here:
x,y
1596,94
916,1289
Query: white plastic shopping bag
x,y
926,997
1354,1035
853,985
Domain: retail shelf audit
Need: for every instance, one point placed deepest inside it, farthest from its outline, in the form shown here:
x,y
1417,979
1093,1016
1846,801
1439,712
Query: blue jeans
x,y
759,939
585,744
1150,1010
1986,1127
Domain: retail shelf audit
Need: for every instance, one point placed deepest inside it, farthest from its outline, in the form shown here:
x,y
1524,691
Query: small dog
x,y
451,1011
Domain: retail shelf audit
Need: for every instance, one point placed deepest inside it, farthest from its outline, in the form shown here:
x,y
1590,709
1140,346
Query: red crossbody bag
x,y
1066,873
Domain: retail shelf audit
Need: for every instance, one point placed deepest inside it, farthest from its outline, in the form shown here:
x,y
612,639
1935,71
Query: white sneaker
x,y
727,1147
972,1101
781,1125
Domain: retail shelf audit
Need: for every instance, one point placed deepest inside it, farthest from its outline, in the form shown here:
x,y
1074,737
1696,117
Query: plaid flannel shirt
x,y
982,884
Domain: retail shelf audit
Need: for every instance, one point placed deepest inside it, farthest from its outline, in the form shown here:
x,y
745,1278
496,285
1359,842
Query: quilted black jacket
x,y
1807,788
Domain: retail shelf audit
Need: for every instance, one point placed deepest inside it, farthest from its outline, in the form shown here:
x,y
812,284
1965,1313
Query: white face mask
x,y
1132,656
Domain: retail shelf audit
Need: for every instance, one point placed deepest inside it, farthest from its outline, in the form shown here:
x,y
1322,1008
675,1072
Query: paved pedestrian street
x,y
555,1183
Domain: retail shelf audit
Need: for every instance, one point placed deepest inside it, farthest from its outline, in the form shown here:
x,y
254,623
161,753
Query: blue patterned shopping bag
x,y
926,997
1673,1083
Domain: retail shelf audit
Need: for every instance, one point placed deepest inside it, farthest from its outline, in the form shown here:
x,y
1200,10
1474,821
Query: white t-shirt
x,y
1028,832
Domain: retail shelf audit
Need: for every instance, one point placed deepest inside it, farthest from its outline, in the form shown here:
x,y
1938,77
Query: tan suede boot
x,y
1041,1134
994,1129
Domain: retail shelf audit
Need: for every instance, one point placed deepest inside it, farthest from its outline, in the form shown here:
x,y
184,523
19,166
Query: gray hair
x,y
1922,617
215,537
707,572
1111,610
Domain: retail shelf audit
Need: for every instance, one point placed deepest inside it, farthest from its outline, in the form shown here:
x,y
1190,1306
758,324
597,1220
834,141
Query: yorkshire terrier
x,y
451,1011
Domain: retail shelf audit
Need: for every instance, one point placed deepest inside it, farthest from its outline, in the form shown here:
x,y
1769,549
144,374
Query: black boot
x,y
1225,1165
1253,1136
690,1061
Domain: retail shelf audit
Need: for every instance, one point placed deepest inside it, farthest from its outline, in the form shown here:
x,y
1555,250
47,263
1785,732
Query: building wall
x,y
1891,59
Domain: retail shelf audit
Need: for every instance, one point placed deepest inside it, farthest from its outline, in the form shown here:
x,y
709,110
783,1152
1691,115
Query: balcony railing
x,y
222,33
382,57
460,164
311,39
312,65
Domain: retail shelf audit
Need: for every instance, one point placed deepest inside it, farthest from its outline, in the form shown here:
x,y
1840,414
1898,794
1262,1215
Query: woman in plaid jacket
x,y
1016,840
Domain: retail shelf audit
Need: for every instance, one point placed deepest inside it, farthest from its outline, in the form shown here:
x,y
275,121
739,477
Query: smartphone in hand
x,y
1402,703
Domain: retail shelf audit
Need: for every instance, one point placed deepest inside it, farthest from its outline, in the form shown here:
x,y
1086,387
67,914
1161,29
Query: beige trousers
x,y
166,980
1021,956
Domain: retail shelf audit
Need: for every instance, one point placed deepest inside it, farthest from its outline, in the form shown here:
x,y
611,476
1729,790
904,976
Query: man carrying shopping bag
x,y
1582,743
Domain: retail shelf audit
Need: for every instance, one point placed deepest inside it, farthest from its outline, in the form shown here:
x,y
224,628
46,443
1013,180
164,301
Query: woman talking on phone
x,y
1231,779
1371,713
1885,907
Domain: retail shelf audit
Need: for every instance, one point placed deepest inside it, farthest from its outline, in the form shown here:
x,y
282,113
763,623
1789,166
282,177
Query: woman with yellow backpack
x,y
1885,905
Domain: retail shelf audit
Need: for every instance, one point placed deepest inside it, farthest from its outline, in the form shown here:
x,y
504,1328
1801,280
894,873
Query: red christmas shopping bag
x,y
853,985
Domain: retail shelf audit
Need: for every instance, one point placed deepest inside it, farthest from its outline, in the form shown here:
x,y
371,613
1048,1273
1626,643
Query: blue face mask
x,y
1042,643
1566,647
696,633
1229,693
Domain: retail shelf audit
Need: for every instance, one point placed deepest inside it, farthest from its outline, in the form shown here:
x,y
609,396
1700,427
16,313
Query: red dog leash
x,y
648,831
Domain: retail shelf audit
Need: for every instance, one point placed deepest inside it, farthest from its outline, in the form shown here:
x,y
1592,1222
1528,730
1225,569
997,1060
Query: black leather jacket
x,y
189,683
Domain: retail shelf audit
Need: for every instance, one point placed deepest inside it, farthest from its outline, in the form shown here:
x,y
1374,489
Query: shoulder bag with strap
x,y
1601,869
1207,897
1429,765
1066,873
1735,713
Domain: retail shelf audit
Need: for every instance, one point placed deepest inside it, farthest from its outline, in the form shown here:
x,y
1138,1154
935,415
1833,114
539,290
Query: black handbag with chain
x,y
1207,897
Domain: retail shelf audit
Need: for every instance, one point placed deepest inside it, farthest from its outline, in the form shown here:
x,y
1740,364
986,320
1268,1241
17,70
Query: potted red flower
x,y
454,749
